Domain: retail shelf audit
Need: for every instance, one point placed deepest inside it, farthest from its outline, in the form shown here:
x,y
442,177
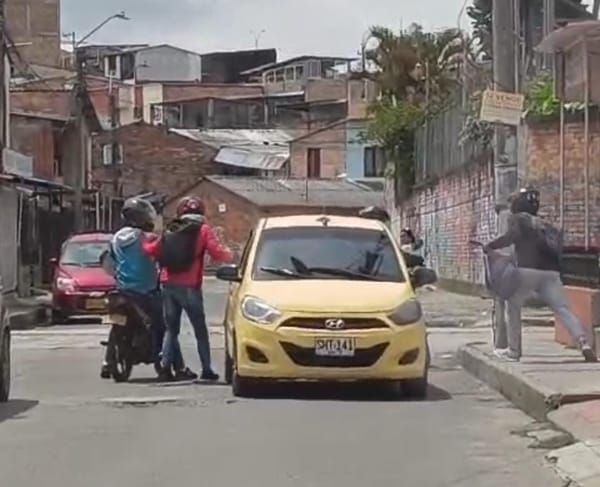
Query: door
x,y
313,163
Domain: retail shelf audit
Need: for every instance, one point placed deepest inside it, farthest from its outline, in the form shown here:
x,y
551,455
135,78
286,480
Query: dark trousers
x,y
177,299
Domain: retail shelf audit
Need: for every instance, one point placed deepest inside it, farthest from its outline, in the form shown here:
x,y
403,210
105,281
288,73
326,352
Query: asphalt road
x,y
66,427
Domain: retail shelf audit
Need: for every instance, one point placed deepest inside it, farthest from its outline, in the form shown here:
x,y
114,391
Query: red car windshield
x,y
83,254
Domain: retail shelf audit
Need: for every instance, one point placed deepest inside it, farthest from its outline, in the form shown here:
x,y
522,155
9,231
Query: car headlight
x,y
256,310
66,284
407,313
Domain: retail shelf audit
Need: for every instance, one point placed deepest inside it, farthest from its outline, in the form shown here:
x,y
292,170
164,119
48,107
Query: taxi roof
x,y
318,220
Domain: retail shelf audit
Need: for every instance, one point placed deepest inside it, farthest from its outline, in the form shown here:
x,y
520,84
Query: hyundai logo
x,y
335,324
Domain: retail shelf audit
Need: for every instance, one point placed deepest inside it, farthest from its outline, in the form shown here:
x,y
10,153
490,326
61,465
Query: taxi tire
x,y
5,367
241,387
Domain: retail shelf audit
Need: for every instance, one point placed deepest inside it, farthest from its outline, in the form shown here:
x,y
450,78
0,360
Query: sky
x,y
294,27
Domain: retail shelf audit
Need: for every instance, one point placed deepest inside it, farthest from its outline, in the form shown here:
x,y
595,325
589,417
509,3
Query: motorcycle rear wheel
x,y
120,363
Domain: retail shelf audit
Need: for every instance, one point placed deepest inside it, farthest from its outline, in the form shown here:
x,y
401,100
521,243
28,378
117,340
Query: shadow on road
x,y
346,392
15,407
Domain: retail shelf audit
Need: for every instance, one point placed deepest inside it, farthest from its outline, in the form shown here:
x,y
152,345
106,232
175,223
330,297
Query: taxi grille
x,y
306,357
349,323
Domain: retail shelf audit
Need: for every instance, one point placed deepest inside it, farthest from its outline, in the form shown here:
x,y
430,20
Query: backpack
x,y
550,237
178,249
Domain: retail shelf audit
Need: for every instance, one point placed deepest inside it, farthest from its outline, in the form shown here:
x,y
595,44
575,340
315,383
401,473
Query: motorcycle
x,y
130,340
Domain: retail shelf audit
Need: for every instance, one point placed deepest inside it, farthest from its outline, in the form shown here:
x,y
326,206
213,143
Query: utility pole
x,y
115,151
505,137
82,152
3,90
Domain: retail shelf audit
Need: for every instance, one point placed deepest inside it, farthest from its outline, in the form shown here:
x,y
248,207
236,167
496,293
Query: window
x,y
374,162
299,72
279,75
337,253
313,163
84,254
111,66
107,154
270,77
289,74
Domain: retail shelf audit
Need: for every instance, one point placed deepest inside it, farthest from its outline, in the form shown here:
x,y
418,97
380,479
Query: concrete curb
x,y
28,319
533,398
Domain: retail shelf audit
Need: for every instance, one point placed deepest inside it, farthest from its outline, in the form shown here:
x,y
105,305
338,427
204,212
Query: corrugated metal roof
x,y
220,138
268,160
293,192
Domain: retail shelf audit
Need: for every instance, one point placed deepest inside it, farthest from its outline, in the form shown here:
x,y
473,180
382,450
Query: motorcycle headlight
x,y
66,284
407,313
257,311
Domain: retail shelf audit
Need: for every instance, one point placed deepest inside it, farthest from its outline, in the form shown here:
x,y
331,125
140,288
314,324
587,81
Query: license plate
x,y
114,319
95,304
335,347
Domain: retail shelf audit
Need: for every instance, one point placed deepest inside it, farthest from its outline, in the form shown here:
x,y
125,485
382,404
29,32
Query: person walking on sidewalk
x,y
180,252
538,248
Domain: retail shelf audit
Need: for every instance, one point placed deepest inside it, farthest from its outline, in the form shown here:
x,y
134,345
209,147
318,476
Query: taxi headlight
x,y
407,313
258,311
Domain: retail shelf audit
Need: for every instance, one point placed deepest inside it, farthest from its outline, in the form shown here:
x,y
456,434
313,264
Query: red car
x,y
80,284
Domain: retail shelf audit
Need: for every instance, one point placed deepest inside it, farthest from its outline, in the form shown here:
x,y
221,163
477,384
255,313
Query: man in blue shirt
x,y
136,274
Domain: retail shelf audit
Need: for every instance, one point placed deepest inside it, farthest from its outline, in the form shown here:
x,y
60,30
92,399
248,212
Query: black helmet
x,y
375,213
139,213
526,201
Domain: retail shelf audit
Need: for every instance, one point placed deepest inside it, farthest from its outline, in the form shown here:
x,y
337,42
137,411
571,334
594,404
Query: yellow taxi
x,y
324,298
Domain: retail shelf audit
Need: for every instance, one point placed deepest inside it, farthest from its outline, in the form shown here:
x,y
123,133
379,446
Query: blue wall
x,y
355,149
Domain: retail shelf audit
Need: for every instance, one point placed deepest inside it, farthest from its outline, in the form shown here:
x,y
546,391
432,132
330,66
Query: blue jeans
x,y
152,305
177,299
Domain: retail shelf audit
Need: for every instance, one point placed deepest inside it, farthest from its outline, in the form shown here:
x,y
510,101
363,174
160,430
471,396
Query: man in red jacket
x,y
182,285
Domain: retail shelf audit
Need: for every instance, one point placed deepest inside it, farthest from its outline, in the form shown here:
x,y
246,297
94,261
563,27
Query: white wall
x,y
166,63
152,93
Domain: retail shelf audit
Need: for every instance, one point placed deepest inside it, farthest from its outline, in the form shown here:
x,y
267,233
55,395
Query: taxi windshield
x,y
327,253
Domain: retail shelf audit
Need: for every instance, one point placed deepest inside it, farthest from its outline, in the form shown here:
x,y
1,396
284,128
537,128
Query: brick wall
x,y
543,171
36,22
57,103
331,141
446,215
35,137
153,160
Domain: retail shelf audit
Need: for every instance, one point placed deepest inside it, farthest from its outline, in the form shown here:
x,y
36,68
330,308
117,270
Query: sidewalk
x,y
26,313
551,383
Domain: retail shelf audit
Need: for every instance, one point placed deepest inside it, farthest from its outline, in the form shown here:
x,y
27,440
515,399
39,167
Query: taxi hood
x,y
332,296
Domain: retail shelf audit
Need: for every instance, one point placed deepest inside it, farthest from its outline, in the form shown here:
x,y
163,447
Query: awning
x,y
253,158
566,37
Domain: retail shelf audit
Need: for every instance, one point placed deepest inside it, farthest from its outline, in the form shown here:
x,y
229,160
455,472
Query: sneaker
x,y
165,375
588,353
210,375
507,355
185,374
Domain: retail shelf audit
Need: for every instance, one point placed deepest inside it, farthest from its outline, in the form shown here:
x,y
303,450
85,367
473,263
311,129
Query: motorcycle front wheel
x,y
119,353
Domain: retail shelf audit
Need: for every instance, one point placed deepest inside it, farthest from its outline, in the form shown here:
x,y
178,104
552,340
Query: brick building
x,y
235,204
34,26
150,159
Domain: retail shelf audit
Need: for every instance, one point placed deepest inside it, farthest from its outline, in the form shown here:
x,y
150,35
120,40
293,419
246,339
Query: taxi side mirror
x,y
229,273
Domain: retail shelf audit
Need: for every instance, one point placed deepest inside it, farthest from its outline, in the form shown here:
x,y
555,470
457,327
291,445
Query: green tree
x,y
417,72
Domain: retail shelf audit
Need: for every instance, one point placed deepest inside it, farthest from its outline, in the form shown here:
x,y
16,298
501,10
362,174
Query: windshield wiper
x,y
342,273
282,271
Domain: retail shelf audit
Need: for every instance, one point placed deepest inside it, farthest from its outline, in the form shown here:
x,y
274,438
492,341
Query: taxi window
x,y
326,253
